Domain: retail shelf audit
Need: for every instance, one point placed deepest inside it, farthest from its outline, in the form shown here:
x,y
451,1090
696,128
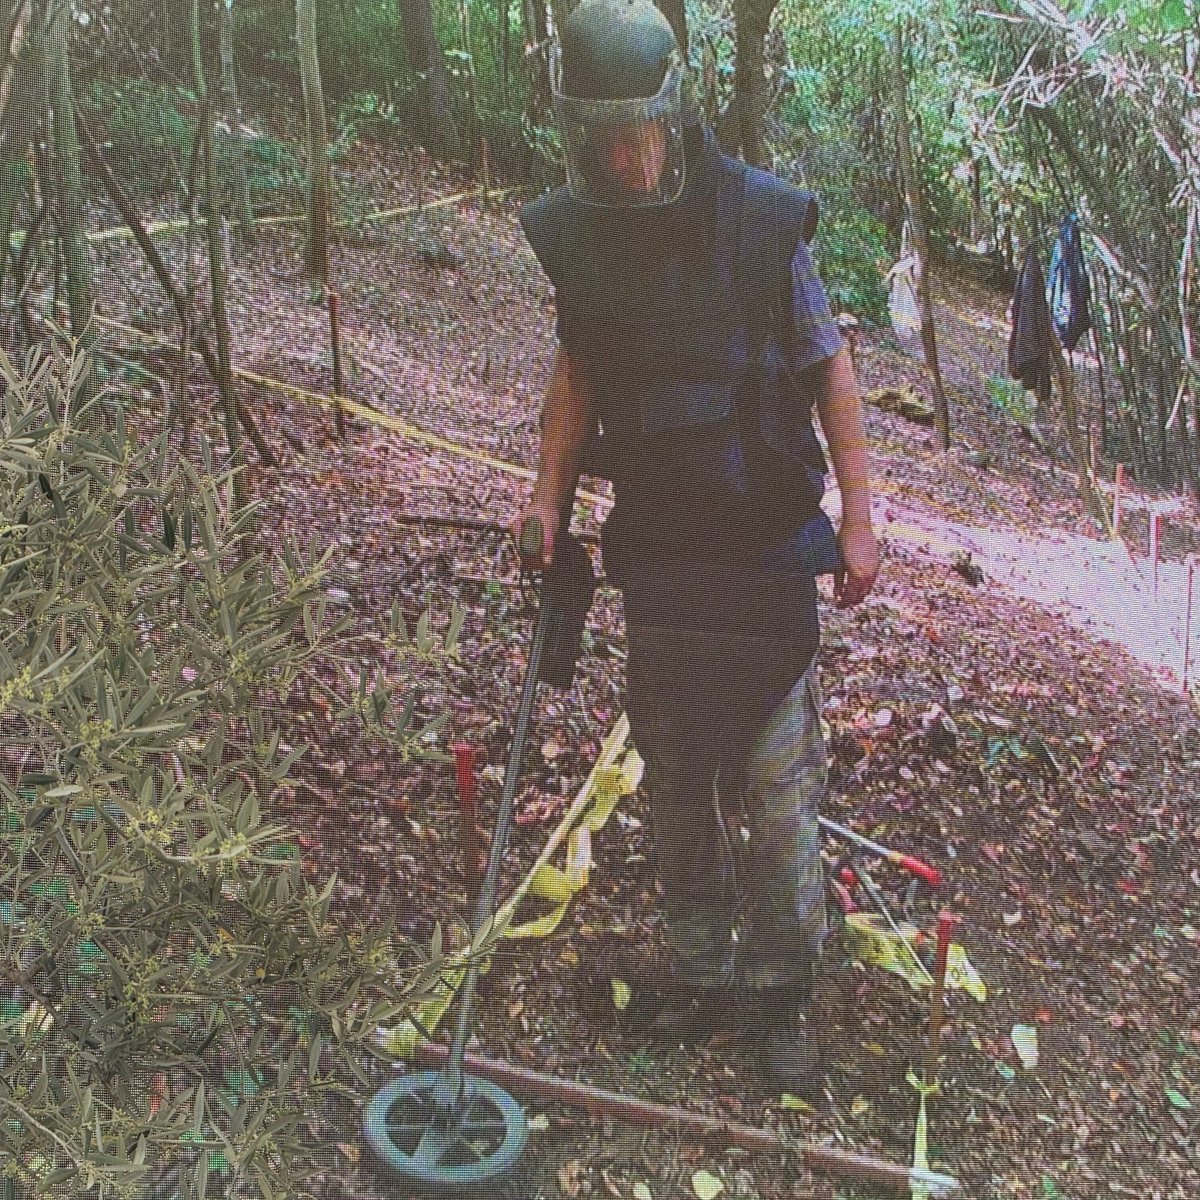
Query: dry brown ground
x,y
1079,891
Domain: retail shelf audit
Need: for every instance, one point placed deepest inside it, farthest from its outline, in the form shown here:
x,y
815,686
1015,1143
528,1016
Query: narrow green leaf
x,y
198,1110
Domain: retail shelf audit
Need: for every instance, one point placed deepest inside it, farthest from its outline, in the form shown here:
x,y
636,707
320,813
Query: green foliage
x,y
852,253
851,243
272,169
365,112
175,995
1009,397
361,46
148,131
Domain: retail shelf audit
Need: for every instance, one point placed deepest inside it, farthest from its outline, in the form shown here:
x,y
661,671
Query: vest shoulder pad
x,y
775,216
544,221
781,207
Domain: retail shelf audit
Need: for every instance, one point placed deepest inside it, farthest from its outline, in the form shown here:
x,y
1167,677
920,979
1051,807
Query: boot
x,y
790,1054
694,1014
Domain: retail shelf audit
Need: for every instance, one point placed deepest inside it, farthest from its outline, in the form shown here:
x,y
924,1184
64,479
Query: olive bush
x,y
177,1002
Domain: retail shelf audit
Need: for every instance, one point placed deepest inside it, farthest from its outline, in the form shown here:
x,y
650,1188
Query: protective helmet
x,y
617,78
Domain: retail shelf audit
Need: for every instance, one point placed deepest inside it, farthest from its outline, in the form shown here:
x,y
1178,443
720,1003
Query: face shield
x,y
622,153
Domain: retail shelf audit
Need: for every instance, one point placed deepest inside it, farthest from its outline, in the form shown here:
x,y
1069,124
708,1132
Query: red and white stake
x,y
937,1001
1187,623
1156,522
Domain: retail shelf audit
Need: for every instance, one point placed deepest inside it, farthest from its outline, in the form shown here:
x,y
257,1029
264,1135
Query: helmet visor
x,y
623,153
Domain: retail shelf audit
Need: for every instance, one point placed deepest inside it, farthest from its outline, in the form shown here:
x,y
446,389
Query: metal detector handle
x,y
485,904
532,541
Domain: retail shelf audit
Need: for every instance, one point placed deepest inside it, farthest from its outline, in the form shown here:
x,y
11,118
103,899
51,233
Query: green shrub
x,y
1010,397
273,171
175,997
851,245
851,249
148,129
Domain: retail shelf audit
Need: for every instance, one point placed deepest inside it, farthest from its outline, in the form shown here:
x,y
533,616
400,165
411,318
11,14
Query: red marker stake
x,y
1187,623
937,1003
1116,520
465,758
1156,520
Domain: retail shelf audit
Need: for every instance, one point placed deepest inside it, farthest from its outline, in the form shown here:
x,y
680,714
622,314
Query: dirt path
x,y
1096,585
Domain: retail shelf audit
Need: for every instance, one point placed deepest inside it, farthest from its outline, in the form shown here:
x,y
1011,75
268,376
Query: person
x,y
694,342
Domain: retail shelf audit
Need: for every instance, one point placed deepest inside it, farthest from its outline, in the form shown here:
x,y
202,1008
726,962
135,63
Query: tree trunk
x,y
180,300
15,29
916,207
751,19
475,133
69,181
319,191
438,133
1066,385
216,267
673,11
14,175
233,118
15,127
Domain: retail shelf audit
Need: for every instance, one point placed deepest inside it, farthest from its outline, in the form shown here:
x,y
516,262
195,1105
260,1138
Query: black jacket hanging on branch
x,y
1031,347
1068,293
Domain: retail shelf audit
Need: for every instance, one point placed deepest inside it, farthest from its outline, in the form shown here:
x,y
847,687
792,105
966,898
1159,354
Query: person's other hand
x,y
549,518
860,553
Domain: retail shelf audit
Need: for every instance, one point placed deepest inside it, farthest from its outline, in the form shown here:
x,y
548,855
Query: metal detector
x,y
447,1132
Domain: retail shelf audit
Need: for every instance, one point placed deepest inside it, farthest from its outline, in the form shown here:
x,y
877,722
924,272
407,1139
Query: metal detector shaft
x,y
485,904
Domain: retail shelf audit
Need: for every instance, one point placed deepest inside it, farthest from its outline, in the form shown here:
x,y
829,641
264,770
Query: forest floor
x,y
1075,871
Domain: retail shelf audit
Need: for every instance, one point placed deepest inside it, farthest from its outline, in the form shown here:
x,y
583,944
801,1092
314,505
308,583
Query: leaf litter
x,y
1055,779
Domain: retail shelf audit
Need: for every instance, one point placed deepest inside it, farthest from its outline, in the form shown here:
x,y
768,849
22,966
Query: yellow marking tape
x,y
920,1160
178,226
616,773
373,416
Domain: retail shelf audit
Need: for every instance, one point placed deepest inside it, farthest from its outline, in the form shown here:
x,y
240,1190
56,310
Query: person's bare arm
x,y
840,414
568,420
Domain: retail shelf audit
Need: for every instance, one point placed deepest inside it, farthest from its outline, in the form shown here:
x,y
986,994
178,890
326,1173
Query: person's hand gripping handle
x,y
536,533
532,543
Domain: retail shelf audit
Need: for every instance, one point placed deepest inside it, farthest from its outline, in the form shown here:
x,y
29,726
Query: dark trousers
x,y
706,716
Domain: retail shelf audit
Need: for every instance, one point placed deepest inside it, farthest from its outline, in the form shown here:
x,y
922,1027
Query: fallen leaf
x,y
1005,1071
706,1186
621,994
1025,1042
1178,1099
787,1100
859,1105
569,1176
641,1191
883,718
538,1123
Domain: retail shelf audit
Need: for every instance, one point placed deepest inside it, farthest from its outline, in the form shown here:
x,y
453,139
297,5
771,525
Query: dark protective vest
x,y
684,339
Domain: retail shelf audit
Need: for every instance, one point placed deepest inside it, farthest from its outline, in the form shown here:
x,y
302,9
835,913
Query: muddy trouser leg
x,y
695,865
784,781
